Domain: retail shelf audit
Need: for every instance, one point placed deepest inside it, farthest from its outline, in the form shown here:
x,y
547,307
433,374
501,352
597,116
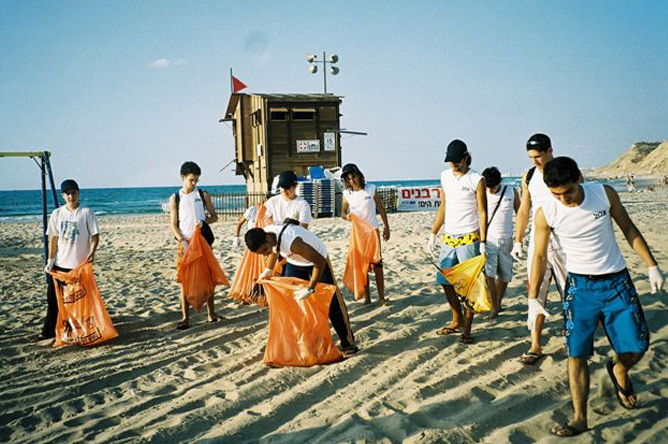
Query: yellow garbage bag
x,y
470,284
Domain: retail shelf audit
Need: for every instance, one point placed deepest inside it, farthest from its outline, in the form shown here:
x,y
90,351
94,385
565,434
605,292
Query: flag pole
x,y
231,82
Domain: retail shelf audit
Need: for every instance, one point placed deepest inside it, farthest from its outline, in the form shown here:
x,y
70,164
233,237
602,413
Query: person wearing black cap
x,y
287,205
74,235
534,195
464,210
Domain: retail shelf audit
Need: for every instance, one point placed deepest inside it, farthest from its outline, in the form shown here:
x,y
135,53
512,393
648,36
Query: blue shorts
x,y
449,257
610,300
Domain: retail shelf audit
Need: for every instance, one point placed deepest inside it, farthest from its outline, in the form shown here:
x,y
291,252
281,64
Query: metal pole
x,y
53,185
324,70
44,210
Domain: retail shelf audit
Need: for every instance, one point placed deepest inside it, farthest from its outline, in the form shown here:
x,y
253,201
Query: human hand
x,y
236,242
386,233
303,293
199,223
516,252
91,257
430,244
483,248
535,309
265,274
49,265
655,278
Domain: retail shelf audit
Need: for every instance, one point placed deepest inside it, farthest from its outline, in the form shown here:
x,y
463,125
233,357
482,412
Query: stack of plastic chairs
x,y
307,189
326,196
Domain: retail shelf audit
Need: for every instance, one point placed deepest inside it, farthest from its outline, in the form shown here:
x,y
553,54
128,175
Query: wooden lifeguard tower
x,y
278,132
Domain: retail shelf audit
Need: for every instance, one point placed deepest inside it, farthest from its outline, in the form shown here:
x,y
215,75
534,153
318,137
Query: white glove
x,y
482,247
516,252
535,309
431,244
265,274
51,262
236,242
303,293
655,278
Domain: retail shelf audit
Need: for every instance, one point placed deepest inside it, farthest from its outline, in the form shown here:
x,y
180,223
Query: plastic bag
x,y
198,271
363,250
470,284
82,317
299,333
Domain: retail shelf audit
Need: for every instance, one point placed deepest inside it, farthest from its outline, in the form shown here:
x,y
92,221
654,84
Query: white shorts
x,y
499,262
555,270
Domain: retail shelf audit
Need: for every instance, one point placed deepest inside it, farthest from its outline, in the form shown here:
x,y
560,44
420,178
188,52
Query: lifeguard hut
x,y
278,132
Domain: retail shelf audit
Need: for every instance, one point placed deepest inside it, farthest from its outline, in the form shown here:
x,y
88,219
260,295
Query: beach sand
x,y
208,384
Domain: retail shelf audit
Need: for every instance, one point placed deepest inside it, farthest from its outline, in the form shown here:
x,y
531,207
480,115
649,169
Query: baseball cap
x,y
287,179
456,151
349,168
539,142
68,185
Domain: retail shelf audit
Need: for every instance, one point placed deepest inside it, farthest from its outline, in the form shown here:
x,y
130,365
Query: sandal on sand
x,y
618,388
447,330
466,339
214,319
182,325
530,358
349,351
566,430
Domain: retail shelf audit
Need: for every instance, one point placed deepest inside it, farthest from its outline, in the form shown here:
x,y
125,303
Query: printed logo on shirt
x,y
466,189
599,214
69,231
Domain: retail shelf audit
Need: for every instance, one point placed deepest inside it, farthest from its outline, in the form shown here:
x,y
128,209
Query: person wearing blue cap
x,y
463,209
74,235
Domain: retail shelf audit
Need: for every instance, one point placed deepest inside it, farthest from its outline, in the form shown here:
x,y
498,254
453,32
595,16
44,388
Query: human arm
x,y
345,215
301,248
481,198
213,216
538,266
174,219
438,223
305,216
516,200
94,242
380,208
522,219
53,250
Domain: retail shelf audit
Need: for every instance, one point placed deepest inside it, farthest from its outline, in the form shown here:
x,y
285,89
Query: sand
x,y
208,384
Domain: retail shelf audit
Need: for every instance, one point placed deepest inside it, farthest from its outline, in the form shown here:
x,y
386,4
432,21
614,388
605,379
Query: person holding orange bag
x,y
360,199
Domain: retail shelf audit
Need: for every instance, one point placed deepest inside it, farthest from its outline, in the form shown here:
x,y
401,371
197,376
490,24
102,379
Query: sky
x,y
122,92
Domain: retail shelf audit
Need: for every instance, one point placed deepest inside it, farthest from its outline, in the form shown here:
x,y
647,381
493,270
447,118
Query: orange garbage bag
x,y
363,250
299,333
251,266
82,317
198,271
470,284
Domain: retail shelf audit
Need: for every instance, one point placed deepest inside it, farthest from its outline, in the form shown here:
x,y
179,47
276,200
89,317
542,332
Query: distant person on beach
x,y
599,289
630,183
360,199
464,210
188,209
534,194
502,203
287,205
307,259
249,218
74,235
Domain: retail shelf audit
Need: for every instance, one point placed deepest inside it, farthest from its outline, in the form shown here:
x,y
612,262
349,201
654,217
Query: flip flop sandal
x,y
216,319
618,388
566,430
349,351
466,339
530,358
182,325
447,330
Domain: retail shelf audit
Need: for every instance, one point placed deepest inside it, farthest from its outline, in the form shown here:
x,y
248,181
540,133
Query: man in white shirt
x,y
464,210
287,205
599,289
73,239
307,259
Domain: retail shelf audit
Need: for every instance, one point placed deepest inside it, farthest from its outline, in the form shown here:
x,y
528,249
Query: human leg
x,y
49,327
578,382
448,259
338,313
501,287
210,311
490,270
380,281
184,323
493,294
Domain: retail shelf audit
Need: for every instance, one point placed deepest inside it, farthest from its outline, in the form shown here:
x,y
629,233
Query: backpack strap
x,y
286,224
497,205
529,175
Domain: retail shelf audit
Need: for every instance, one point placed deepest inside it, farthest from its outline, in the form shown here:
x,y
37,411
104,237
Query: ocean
x,y
27,204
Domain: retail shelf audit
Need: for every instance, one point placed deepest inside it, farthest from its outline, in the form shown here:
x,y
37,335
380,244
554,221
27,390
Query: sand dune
x,y
208,384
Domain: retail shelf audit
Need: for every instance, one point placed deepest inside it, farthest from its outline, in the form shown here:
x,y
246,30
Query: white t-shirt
x,y
362,204
461,204
191,211
501,227
585,233
74,230
291,233
279,209
251,217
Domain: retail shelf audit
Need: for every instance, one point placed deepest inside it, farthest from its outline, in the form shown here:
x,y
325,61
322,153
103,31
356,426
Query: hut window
x,y
303,114
257,117
278,114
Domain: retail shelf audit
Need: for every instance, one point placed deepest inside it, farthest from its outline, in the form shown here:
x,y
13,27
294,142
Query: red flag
x,y
237,85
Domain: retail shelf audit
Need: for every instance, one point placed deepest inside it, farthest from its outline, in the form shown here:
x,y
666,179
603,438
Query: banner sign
x,y
308,146
418,198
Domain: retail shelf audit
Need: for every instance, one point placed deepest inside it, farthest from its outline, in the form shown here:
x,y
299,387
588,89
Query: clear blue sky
x,y
122,92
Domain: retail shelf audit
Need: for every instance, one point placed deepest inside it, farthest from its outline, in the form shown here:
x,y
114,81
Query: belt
x,y
600,277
